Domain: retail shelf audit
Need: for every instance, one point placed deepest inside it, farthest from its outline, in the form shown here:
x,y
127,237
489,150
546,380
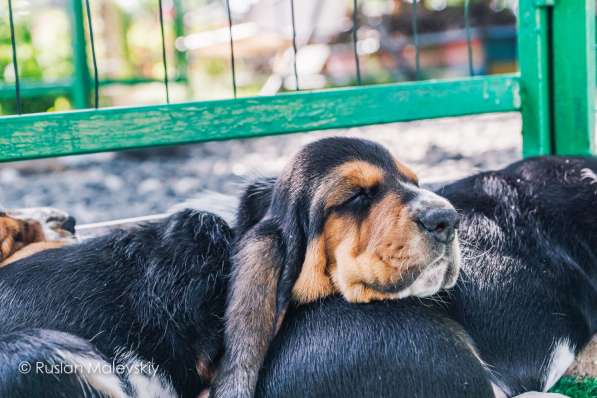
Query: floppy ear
x,y
266,264
253,310
307,280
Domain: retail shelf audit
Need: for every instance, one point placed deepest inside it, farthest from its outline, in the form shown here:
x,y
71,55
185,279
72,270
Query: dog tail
x,y
46,363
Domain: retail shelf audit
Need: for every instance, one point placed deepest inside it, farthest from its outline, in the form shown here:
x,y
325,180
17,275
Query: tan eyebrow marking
x,y
345,177
407,171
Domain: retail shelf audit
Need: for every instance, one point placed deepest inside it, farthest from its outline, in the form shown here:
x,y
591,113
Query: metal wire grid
x,y
355,28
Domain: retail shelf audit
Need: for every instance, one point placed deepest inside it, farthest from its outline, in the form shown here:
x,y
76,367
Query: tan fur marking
x,y
33,248
407,171
347,176
313,282
378,251
205,369
16,234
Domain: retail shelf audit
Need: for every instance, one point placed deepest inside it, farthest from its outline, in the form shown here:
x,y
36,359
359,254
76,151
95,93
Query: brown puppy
x,y
24,232
343,217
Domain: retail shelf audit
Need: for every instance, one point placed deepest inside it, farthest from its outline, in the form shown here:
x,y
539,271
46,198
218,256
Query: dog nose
x,y
441,223
69,224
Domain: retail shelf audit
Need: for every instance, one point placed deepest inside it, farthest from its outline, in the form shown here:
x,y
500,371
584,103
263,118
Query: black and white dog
x,y
140,313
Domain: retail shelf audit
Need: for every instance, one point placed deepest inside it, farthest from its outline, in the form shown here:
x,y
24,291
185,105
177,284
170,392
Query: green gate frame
x,y
554,91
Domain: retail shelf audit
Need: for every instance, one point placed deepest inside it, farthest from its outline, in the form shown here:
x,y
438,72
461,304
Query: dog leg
x,y
250,316
55,224
535,394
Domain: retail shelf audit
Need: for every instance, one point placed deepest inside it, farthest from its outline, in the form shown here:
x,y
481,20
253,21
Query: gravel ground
x,y
128,184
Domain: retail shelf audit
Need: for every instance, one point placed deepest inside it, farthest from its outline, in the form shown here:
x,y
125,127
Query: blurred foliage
x,y
43,52
43,44
574,387
27,54
45,103
128,46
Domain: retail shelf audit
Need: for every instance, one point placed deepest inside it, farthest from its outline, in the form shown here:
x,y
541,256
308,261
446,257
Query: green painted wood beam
x,y
574,77
56,134
534,61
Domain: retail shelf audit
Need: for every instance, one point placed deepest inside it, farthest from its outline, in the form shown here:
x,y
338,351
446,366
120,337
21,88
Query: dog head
x,y
343,217
355,221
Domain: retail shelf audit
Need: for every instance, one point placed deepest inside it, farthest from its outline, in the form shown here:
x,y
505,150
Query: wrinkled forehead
x,y
346,178
368,174
359,161
330,169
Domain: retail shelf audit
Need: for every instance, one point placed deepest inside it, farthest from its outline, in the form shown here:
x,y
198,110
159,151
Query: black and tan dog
x,y
345,217
152,300
524,305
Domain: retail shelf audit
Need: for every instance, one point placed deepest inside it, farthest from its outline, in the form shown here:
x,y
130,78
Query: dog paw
x,y
535,394
55,224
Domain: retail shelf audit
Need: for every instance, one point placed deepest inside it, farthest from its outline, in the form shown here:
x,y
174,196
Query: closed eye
x,y
358,196
361,197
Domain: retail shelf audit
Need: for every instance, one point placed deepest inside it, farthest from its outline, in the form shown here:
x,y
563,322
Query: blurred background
x,y
110,186
129,56
129,53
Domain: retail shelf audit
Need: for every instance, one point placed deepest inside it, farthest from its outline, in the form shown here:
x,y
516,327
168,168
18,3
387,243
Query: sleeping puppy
x,y
525,303
523,307
132,314
343,217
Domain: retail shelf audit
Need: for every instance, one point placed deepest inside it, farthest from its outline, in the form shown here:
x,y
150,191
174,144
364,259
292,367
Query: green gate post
x,y
81,87
574,77
533,55
179,31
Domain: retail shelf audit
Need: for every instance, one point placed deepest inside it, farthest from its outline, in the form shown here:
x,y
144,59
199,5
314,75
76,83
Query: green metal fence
x,y
79,87
554,90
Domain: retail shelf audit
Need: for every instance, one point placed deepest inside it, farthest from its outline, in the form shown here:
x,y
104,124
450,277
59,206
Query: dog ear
x,y
254,204
304,276
266,264
252,309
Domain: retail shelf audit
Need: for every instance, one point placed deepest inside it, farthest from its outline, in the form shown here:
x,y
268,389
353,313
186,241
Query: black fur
x,y
382,349
282,217
529,281
157,292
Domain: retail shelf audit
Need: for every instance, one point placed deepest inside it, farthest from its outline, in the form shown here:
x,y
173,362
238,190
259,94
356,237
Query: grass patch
x,y
576,387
